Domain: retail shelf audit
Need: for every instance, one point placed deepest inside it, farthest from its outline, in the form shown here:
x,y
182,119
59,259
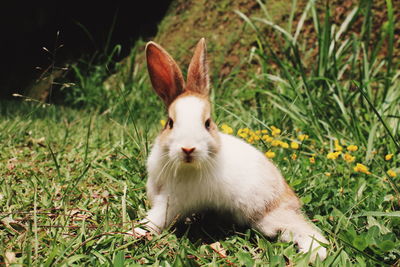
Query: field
x,y
72,177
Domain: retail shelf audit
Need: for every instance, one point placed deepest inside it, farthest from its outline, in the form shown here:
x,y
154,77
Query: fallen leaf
x,y
10,258
217,247
13,225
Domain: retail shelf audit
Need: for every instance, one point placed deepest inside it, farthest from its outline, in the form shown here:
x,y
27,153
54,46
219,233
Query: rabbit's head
x,y
189,137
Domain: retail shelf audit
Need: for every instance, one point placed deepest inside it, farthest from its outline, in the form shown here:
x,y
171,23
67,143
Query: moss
x,y
229,39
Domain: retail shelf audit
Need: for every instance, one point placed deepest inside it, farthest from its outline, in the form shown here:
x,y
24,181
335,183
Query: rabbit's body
x,y
244,183
193,166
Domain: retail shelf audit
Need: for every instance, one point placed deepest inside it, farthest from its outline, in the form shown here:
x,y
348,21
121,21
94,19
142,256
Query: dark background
x,y
84,27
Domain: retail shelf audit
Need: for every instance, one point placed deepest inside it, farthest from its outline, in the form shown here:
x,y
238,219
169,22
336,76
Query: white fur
x,y
238,178
189,129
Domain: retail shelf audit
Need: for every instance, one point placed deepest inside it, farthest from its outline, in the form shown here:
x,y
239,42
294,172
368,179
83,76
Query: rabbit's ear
x,y
197,79
165,75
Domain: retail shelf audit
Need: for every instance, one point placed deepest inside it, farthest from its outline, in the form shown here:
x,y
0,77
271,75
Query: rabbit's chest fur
x,y
241,181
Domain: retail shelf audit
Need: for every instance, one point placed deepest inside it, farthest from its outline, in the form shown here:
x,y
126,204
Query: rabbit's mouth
x,y
188,159
188,154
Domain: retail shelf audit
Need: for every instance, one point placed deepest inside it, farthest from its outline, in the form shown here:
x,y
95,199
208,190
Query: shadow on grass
x,y
208,227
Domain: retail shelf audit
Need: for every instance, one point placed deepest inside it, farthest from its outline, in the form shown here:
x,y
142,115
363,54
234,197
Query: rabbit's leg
x,y
293,226
159,216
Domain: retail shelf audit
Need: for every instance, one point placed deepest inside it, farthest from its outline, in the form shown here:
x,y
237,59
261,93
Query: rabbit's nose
x,y
188,151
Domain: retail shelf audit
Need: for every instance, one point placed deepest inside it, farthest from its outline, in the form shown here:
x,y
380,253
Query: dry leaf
x,y
13,225
217,247
10,258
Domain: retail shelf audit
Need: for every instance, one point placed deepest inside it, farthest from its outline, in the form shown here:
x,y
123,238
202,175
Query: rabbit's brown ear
x,y
197,79
165,75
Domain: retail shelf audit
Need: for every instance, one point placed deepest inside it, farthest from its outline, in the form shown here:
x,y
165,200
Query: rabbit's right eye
x,y
170,123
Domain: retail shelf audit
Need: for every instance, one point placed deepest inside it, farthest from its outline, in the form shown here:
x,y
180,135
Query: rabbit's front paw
x,y
316,251
139,232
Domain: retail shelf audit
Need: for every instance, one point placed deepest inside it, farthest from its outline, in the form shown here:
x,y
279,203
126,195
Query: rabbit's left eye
x,y
170,123
207,124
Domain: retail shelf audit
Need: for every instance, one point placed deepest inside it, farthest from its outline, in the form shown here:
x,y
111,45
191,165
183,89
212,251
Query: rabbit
x,y
192,166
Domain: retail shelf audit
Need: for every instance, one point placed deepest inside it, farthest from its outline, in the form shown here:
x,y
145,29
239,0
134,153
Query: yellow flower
x,y
243,132
284,144
352,148
388,157
333,155
267,138
294,156
303,137
275,142
226,129
361,168
249,135
348,158
338,147
275,131
294,145
312,160
270,154
243,135
328,174
391,173
163,122
264,131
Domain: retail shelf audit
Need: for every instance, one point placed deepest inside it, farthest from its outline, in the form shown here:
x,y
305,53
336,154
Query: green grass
x,y
72,180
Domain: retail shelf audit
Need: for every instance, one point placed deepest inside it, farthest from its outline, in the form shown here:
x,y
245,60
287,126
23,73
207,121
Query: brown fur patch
x,y
290,199
287,200
214,133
